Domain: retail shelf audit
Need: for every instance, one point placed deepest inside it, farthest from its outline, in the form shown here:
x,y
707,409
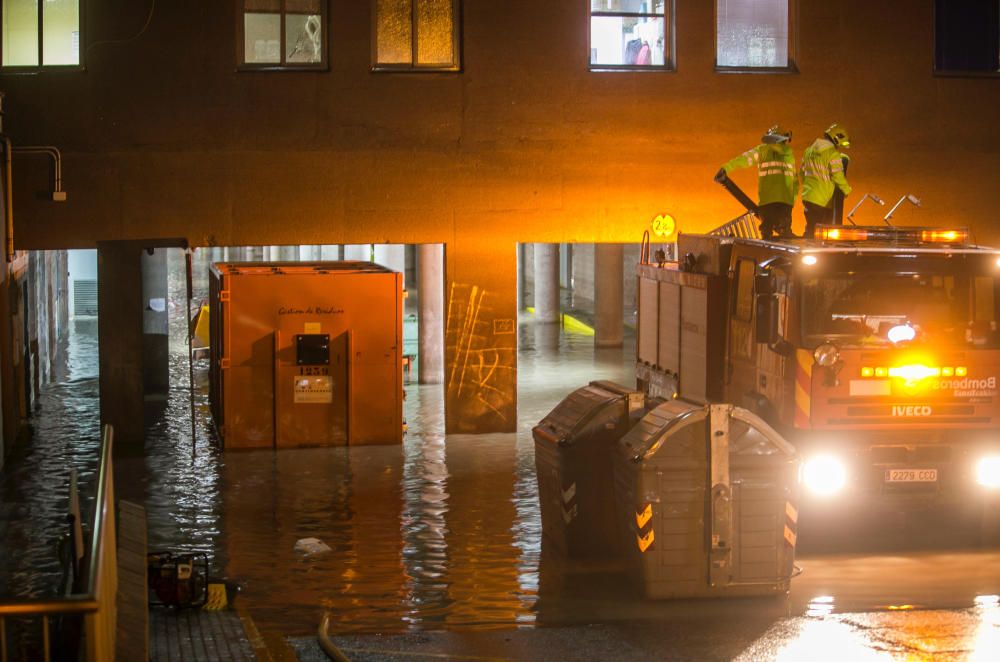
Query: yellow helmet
x,y
777,134
838,136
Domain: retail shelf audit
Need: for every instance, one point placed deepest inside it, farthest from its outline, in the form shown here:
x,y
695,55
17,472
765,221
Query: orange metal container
x,y
306,354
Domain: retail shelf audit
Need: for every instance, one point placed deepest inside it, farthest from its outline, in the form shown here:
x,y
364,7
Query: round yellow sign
x,y
664,225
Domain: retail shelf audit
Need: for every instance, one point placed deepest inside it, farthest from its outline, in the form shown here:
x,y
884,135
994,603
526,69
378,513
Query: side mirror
x,y
763,284
767,319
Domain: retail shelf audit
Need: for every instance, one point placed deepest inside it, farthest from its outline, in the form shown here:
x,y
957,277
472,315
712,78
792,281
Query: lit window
x,y
753,34
631,34
50,42
967,36
416,35
283,34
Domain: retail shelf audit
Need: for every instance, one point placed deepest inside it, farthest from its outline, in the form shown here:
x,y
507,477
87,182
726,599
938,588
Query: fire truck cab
x,y
876,351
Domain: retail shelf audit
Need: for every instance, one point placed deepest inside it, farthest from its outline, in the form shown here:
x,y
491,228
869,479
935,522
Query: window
x,y
967,36
416,35
40,33
283,34
753,35
632,34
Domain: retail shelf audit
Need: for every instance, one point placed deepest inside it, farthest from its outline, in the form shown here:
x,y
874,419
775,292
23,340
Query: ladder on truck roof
x,y
741,227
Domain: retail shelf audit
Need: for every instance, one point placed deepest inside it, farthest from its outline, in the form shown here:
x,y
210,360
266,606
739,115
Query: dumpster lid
x,y
748,434
581,406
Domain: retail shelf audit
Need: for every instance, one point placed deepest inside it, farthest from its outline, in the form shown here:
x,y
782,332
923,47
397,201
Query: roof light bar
x,y
838,233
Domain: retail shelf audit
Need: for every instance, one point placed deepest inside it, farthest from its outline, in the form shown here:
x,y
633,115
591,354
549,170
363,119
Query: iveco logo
x,y
911,410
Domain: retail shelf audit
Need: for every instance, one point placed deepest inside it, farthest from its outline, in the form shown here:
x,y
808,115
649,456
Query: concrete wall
x,y
163,138
37,298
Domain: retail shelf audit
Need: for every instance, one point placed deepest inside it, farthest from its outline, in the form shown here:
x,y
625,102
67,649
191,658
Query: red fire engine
x,y
874,350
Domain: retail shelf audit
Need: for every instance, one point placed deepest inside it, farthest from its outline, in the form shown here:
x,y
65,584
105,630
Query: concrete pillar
x,y
359,252
120,338
156,325
522,265
609,328
392,256
330,252
547,309
430,319
481,330
566,266
309,253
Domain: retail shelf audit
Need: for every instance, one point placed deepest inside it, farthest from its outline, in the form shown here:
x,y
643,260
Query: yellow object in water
x,y
216,597
201,334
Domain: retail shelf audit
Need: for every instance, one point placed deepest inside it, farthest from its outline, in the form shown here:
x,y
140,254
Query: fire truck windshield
x,y
861,308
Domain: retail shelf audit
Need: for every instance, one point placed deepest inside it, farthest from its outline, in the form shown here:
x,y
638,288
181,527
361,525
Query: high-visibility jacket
x,y
823,173
776,181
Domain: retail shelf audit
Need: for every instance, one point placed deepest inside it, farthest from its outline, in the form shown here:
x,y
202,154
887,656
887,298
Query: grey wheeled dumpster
x,y
706,499
574,444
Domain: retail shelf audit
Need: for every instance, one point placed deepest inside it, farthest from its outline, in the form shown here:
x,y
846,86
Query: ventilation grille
x,y
84,298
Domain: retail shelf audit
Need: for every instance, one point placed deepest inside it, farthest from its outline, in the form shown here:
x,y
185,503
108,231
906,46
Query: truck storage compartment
x,y
306,354
573,461
681,333
706,499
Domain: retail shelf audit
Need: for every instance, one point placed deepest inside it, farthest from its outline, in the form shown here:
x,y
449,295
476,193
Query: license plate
x,y
911,475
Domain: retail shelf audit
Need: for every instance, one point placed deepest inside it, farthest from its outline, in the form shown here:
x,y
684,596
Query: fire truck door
x,y
743,348
770,361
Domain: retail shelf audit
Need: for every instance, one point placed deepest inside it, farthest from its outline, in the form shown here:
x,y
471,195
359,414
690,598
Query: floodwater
x,y
438,534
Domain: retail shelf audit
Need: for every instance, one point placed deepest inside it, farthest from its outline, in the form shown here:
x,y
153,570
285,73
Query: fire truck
x,y
874,350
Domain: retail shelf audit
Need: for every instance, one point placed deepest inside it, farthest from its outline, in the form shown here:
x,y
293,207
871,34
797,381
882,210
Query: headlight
x,y
824,475
826,354
988,471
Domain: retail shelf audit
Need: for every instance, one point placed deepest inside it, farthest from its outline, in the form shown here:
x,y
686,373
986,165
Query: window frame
x,y
413,67
954,73
793,45
41,67
669,50
242,65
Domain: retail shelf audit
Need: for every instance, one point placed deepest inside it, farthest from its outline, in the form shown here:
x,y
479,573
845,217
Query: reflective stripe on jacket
x,y
823,173
776,180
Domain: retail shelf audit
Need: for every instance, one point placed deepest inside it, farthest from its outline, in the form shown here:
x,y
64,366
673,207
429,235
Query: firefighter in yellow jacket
x,y
777,183
823,174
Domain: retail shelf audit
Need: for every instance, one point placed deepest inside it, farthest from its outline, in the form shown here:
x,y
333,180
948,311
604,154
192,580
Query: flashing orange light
x,y
842,234
894,234
867,372
944,236
880,372
947,372
914,372
961,371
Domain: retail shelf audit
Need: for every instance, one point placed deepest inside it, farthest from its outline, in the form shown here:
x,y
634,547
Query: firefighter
x,y
823,174
777,184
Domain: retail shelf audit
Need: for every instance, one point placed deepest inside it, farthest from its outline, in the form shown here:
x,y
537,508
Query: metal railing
x,y
95,603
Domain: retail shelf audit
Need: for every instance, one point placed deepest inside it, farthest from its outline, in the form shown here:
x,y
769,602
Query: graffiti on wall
x,y
481,346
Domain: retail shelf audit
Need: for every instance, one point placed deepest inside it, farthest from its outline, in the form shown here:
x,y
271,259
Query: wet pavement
x,y
436,545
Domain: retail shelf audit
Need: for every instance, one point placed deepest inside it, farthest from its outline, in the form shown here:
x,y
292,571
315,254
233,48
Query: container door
x,y
310,386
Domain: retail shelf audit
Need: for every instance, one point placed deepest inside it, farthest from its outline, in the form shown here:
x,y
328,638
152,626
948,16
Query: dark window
x,y
416,35
40,33
753,35
282,34
967,36
632,34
